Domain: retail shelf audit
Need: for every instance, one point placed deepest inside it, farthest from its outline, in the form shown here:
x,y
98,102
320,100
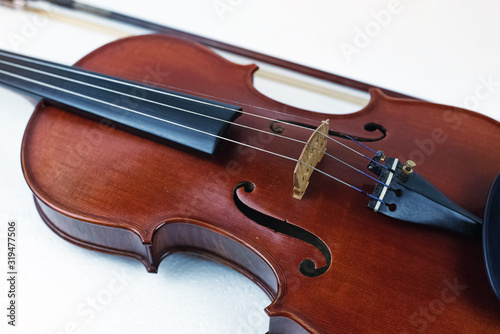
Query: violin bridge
x,y
311,154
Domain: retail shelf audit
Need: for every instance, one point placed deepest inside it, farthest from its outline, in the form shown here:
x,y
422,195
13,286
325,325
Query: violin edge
x,y
375,114
281,319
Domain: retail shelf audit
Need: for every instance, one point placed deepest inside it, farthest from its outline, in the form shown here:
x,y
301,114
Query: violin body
x,y
112,191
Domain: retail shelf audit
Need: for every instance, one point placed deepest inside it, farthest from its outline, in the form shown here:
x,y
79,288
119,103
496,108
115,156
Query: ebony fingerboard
x,y
180,118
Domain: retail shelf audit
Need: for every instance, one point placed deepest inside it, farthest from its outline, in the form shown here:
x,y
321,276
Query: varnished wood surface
x,y
383,273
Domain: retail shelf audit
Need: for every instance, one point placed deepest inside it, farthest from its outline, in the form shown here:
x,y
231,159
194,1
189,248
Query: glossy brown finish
x,y
145,199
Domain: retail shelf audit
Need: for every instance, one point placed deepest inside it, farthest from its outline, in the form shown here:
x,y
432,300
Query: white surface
x,y
440,51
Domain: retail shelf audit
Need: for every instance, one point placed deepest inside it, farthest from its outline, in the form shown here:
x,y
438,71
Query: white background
x,y
442,51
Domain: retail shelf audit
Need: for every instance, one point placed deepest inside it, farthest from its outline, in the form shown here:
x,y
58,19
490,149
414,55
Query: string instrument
x,y
379,220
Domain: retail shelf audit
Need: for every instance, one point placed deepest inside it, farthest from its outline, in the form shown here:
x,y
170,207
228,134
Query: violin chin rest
x,y
491,236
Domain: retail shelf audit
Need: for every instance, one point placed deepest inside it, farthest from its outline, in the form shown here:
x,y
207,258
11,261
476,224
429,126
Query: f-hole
x,y
307,267
370,127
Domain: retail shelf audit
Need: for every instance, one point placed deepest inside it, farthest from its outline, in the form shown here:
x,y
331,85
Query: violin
x,y
338,218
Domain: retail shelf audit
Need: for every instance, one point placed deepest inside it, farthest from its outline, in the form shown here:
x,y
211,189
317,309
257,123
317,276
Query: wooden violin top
x,y
401,279
109,190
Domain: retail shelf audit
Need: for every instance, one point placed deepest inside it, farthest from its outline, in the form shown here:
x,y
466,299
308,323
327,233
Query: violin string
x,y
185,110
268,118
98,76
359,143
276,120
198,114
193,129
189,111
